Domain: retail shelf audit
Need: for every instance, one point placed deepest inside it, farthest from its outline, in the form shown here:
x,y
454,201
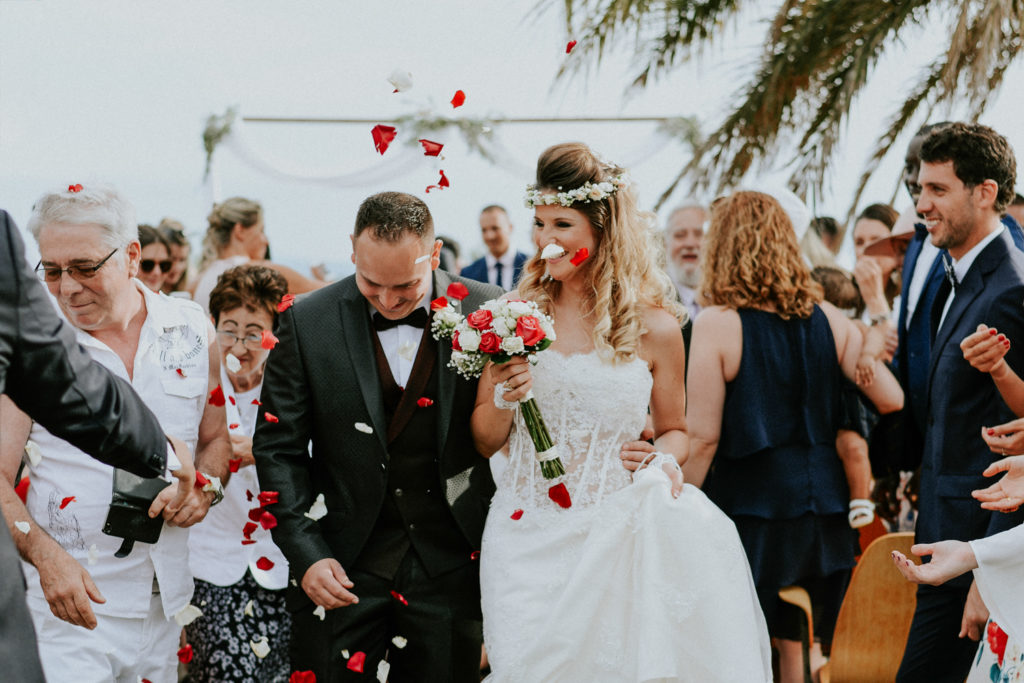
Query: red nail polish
x,y
1002,338
992,331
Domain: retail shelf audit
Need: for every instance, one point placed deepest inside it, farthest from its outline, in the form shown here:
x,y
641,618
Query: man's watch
x,y
213,484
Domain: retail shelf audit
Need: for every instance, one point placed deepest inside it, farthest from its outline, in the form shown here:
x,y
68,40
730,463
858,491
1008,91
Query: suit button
x,y
412,527
398,493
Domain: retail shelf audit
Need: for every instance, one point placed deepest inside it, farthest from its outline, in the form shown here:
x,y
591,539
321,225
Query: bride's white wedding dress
x,y
627,584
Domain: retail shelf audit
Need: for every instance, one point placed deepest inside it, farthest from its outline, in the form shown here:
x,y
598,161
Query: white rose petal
x,y
33,452
407,350
552,251
421,259
260,647
399,642
320,612
364,428
248,610
469,340
344,653
23,527
520,308
318,509
187,615
512,345
400,80
94,554
232,363
382,671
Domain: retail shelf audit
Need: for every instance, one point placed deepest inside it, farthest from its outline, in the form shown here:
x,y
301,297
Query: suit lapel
x,y
445,376
356,326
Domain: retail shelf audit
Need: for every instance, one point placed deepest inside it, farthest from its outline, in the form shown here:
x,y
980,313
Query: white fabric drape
x,y
1000,578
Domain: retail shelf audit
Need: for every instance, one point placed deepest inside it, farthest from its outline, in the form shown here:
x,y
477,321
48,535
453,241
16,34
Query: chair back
x,y
874,620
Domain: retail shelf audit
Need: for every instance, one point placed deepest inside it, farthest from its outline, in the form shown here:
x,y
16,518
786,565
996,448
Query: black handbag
x,y
128,516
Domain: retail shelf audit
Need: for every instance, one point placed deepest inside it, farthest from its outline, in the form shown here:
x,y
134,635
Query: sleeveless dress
x,y
776,472
626,584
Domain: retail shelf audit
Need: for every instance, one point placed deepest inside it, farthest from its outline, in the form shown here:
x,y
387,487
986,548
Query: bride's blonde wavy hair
x,y
751,258
624,274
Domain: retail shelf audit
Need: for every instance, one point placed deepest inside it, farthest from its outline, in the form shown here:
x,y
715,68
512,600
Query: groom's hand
x,y
327,585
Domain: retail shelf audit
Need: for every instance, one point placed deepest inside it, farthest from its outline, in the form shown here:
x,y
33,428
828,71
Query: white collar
x,y
507,259
964,263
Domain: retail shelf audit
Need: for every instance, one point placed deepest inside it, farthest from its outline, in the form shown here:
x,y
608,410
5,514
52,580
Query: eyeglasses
x,y
249,341
147,265
76,270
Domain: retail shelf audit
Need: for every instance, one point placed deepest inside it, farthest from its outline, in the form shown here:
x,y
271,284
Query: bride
x,y
625,574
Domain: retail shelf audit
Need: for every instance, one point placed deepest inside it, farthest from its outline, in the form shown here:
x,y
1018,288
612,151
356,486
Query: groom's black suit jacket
x,y
321,380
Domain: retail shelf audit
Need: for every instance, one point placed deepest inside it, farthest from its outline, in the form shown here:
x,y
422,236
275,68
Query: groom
x,y
357,373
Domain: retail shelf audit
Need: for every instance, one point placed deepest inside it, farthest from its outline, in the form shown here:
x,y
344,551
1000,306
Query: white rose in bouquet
x,y
512,345
469,339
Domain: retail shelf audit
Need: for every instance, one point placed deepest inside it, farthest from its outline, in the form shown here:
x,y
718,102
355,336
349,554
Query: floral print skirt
x,y
1000,658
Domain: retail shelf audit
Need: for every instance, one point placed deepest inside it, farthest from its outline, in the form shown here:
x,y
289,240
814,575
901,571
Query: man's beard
x,y
686,276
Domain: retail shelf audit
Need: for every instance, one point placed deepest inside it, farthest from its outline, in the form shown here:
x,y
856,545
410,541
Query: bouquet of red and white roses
x,y
496,332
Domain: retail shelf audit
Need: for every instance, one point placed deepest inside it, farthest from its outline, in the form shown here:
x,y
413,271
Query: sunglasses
x,y
147,265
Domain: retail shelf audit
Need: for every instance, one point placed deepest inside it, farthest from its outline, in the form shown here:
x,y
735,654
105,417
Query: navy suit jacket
x,y
961,400
477,270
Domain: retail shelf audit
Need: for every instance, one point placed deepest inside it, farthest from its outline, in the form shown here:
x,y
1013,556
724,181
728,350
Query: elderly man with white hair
x,y
684,235
104,613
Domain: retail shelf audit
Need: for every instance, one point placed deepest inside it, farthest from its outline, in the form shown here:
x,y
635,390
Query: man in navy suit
x,y
502,264
966,181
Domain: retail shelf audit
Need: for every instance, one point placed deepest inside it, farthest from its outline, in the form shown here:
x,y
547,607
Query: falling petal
x,y
442,183
201,480
457,290
569,46
407,350
94,554
181,373
265,564
424,402
438,303
268,497
458,99
560,495
286,302
248,495
268,340
382,137
401,598
33,452
400,80
552,251
364,428
233,426
217,396
66,501
231,399
268,520
431,148
260,647
382,671
302,677
232,363
185,654
234,464
318,509
247,611
270,417
580,256
517,515
23,527
399,642
475,555
187,615
255,402
320,612
356,662
249,528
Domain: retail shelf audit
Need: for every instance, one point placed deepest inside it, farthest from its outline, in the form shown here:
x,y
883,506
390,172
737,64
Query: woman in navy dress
x,y
766,371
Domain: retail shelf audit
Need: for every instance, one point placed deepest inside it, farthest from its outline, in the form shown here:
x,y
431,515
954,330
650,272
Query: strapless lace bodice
x,y
591,408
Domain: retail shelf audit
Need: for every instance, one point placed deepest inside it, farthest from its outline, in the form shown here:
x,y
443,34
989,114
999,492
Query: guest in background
x,y
684,235
1016,208
240,584
235,236
828,231
502,264
156,257
176,279
768,356
451,254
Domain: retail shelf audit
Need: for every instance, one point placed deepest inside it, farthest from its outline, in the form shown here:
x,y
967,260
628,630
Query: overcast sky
x,y
119,91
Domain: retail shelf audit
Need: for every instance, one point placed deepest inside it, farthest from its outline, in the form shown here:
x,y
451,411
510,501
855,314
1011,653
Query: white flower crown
x,y
589,192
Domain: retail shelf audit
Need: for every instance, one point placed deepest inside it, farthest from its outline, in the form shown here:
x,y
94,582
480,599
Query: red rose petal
x,y
248,495
458,99
438,303
442,183
268,340
424,402
581,255
249,528
569,46
255,402
256,513
430,148
265,564
234,464
66,501
517,515
269,521
286,302
22,488
382,137
356,662
560,495
248,541
271,417
201,480
234,425
303,676
77,187
475,555
181,373
232,399
401,598
457,290
217,396
185,654
268,497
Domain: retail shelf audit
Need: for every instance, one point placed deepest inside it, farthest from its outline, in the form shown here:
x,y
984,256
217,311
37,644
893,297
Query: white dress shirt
x,y
961,266
401,343
507,261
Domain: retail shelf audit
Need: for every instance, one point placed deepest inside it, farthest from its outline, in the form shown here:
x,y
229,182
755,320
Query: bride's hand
x,y
516,376
637,454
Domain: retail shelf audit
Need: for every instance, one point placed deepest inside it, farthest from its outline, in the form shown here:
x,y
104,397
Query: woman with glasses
x,y
235,236
156,257
176,279
240,574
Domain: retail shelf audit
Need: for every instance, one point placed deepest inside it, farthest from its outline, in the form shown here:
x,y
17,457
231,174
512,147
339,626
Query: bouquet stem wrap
x,y
547,453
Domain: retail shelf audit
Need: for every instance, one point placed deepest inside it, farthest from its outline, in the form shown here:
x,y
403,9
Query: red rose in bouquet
x,y
480,319
490,343
528,328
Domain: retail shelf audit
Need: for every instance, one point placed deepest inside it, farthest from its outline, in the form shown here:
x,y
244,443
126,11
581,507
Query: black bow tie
x,y
417,318
947,264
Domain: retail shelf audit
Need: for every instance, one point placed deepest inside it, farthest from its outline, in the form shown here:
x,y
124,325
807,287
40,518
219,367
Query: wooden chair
x,y
874,620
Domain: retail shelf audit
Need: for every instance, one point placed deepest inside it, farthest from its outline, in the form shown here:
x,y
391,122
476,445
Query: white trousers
x,y
118,649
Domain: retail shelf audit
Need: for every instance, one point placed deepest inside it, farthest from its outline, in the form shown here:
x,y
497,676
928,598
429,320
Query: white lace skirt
x,y
640,587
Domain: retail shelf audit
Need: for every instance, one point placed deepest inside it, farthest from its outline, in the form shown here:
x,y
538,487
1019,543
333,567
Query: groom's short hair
x,y
393,214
